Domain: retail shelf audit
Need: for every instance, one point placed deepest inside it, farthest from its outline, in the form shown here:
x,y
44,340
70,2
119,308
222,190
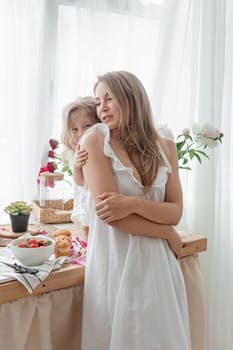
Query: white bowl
x,y
32,256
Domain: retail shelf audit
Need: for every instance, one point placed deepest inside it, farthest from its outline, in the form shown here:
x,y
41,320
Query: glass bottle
x,y
51,194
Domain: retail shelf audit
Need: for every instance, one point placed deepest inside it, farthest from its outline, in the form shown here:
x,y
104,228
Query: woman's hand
x,y
175,243
113,206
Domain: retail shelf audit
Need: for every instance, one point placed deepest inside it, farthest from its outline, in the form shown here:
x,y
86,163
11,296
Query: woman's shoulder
x,y
169,144
171,148
100,127
95,136
165,132
169,153
166,140
97,131
167,149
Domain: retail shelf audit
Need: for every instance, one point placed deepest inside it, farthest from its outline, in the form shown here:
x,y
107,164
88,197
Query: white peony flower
x,y
193,145
186,131
208,135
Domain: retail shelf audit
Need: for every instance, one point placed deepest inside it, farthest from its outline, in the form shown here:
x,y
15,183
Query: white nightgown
x,y
79,213
134,292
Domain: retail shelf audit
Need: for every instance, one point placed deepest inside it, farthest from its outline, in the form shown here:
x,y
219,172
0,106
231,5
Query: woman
x,y
134,293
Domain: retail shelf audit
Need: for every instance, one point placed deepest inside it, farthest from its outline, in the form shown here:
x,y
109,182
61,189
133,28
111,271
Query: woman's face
x,y
80,121
107,106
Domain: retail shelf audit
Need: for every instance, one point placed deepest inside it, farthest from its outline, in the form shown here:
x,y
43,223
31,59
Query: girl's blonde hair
x,y
137,131
80,104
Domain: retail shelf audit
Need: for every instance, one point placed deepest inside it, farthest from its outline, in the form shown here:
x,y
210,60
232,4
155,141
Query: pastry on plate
x,y
61,232
63,243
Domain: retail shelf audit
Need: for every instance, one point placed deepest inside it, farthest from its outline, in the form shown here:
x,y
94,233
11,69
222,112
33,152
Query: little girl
x,y
78,116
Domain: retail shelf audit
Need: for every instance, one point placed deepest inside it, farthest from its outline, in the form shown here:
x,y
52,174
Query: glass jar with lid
x,y
51,194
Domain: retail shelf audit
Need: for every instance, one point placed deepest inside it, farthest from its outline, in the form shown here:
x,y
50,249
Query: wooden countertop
x,y
72,275
69,275
192,243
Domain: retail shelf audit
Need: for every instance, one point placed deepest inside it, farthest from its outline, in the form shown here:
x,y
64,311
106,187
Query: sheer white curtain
x,y
195,83
99,36
24,121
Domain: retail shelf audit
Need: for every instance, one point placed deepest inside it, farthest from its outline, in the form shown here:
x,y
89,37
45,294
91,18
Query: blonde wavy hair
x,y
86,104
137,131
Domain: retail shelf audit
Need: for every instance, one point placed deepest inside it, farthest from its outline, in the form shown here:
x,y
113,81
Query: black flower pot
x,y
19,223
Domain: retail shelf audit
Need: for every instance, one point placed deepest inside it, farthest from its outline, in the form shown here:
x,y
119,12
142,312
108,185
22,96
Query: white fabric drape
x,y
194,84
99,36
50,321
22,89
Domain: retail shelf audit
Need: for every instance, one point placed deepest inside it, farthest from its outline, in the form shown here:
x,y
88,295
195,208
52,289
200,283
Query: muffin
x,y
63,243
61,232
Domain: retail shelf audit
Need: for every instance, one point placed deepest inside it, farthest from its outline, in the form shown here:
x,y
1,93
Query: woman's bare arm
x,y
114,206
99,178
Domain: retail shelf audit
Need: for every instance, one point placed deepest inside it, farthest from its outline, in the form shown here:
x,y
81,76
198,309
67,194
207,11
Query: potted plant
x,y
19,212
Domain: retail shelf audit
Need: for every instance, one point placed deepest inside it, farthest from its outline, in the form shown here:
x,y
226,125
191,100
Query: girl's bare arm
x,y
79,161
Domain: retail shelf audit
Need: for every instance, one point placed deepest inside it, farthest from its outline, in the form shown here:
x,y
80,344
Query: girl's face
x,y
80,121
108,108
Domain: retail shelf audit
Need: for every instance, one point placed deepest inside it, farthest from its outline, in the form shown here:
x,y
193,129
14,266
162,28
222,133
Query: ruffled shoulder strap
x,y
108,151
104,130
99,128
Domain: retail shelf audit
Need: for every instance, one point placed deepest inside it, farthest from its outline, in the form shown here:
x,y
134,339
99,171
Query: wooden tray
x,y
33,229
6,231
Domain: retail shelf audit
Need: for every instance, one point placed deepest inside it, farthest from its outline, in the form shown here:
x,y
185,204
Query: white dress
x,y
79,213
134,293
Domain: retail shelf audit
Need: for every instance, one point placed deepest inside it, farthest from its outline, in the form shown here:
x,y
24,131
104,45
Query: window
x,y
51,52
94,40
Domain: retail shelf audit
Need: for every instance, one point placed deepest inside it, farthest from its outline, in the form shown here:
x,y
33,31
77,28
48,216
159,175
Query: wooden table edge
x,y
192,244
69,275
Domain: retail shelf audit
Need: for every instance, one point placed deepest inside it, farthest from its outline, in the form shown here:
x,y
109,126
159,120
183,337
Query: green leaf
x,y
65,168
203,153
191,154
179,145
188,137
185,167
185,160
181,154
198,157
18,207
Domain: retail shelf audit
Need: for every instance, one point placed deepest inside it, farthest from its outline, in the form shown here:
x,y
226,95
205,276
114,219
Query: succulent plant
x,y
17,208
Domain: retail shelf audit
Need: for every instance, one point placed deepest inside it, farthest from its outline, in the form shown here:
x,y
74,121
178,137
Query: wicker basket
x,y
52,216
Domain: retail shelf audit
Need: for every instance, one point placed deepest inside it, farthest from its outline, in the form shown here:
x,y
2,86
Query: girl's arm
x,y
79,161
99,179
114,206
78,176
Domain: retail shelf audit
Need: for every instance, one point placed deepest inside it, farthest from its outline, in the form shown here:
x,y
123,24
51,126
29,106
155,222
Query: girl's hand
x,y
175,243
81,157
113,206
